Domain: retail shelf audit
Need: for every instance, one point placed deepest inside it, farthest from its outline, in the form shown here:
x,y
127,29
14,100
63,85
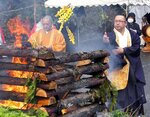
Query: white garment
x,y
123,38
39,26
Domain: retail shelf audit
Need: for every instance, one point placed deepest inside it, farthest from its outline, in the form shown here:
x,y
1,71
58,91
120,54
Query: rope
x,y
10,11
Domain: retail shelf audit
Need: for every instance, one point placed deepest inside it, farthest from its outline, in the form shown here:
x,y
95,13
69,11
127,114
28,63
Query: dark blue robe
x,y
133,94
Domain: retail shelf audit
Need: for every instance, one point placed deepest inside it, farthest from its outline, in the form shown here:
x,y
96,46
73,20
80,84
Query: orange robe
x,y
52,39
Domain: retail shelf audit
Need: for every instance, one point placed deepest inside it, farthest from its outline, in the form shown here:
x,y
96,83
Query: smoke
x,y
90,41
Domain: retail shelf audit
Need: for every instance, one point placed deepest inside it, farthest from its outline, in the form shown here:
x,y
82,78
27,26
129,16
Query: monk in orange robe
x,y
48,37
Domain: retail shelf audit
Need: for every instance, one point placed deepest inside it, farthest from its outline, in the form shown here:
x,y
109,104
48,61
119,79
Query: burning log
x,y
24,67
12,80
5,95
27,53
42,84
7,51
81,70
77,57
57,79
88,111
75,85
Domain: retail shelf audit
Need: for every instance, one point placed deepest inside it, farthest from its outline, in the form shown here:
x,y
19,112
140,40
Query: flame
x,y
13,104
69,109
18,105
64,111
14,88
17,28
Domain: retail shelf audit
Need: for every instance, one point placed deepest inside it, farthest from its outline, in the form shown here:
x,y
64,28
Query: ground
x,y
145,57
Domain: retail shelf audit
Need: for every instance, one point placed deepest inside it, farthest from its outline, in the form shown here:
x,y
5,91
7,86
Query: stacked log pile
x,y
58,76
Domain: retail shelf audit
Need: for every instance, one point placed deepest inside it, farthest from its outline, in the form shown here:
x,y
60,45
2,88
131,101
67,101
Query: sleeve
x,y
33,40
59,44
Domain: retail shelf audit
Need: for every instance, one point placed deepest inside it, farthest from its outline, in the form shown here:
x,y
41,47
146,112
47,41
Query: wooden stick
x,y
81,70
27,53
24,67
44,101
88,111
66,58
75,85
42,84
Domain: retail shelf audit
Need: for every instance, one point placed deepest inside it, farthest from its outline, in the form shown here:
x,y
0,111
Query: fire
x,y
69,109
18,105
14,88
64,111
19,74
17,28
13,104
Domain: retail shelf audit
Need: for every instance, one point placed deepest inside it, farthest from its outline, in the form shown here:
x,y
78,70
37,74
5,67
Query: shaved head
x,y
47,23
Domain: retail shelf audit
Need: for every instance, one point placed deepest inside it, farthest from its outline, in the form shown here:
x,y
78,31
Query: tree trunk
x,y
12,80
27,53
7,95
75,85
66,58
88,111
43,84
65,80
78,99
78,71
24,67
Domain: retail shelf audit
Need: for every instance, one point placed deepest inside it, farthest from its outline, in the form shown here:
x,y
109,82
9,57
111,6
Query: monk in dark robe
x,y
126,72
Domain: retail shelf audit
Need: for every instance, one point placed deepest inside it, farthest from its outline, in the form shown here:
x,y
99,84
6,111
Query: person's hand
x,y
118,51
105,38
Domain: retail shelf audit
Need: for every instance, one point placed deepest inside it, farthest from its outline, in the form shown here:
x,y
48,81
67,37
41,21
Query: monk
x,y
127,74
48,37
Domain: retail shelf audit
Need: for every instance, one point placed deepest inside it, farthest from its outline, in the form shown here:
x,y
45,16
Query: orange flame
x,y
14,88
18,105
16,28
64,111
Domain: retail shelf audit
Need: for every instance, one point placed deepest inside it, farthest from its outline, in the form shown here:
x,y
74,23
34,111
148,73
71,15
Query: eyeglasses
x,y
119,21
